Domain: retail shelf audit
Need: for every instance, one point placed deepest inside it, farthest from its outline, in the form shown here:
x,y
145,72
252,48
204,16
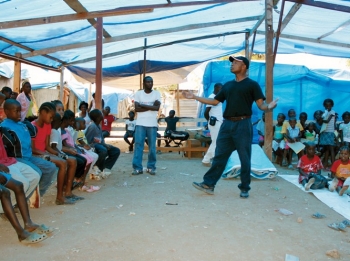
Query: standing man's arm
x,y
264,106
190,95
139,107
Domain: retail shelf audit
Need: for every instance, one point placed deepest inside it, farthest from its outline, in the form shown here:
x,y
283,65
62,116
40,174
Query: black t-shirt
x,y
171,123
239,97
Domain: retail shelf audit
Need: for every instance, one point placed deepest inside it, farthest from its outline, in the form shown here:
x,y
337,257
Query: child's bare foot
x,y
342,190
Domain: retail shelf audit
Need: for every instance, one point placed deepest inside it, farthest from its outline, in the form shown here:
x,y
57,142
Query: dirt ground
x,y
128,219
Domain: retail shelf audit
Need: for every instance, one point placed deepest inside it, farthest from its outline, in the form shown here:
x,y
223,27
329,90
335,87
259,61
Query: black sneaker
x,y
131,148
244,194
203,187
137,172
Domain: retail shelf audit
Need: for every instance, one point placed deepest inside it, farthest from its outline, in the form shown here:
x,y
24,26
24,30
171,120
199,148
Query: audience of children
x,y
107,122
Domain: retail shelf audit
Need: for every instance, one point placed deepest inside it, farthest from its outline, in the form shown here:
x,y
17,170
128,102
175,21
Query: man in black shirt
x,y
236,131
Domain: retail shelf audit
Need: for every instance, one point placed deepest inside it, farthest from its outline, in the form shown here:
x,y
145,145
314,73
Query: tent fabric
x,y
297,87
165,50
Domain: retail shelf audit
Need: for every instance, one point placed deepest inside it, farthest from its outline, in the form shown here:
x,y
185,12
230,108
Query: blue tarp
x,y
176,35
297,87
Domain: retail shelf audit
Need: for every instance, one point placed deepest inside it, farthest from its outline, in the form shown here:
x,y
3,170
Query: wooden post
x,y
177,101
269,76
144,59
62,84
98,77
17,77
247,48
141,83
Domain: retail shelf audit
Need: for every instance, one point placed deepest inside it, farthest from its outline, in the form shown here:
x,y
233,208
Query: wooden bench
x,y
118,131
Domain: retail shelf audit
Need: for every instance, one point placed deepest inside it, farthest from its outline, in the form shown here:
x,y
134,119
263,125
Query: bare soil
x,y
128,219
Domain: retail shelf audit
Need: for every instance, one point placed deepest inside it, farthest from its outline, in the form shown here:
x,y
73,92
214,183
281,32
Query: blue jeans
x,y
107,155
232,136
46,169
141,132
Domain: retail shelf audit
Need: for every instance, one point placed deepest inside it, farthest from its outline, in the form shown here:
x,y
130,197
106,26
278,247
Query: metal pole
x,y
177,101
246,43
98,77
269,76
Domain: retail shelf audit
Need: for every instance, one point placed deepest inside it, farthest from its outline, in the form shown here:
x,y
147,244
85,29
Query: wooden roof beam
x,y
295,8
15,58
137,35
312,40
141,48
79,8
329,6
105,13
28,49
339,28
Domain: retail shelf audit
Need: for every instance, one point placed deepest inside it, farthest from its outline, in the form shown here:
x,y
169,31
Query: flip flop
x,y
74,197
77,184
90,188
334,226
42,229
346,222
33,238
66,201
318,215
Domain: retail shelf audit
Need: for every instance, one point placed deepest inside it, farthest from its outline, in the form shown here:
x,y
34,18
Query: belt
x,y
239,118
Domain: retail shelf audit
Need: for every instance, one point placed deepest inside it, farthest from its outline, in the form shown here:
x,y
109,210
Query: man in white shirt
x,y
147,104
210,112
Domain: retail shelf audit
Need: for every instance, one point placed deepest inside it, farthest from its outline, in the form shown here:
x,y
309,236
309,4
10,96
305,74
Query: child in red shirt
x,y
107,122
341,172
310,167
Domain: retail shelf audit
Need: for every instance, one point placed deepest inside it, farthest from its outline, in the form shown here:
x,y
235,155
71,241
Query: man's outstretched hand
x,y
272,104
188,94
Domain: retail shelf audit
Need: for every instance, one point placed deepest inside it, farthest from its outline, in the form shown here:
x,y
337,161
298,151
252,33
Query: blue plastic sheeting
x,y
297,87
167,52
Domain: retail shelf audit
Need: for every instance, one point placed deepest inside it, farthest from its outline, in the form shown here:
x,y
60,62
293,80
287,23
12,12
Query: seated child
x,y
31,233
292,135
72,149
4,95
302,120
344,129
310,167
80,141
171,121
107,122
18,145
341,172
41,146
130,125
261,129
107,154
310,133
278,142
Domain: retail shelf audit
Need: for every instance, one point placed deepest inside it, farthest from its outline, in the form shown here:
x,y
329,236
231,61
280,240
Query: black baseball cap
x,y
240,59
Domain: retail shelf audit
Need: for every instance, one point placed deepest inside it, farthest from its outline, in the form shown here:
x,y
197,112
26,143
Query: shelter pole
x,y
89,97
269,76
252,47
278,32
98,77
246,49
61,83
144,58
177,101
17,76
141,81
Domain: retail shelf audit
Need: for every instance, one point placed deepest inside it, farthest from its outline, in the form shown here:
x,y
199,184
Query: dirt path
x,y
129,220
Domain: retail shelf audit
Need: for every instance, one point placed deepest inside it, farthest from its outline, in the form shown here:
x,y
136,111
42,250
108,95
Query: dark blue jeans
x,y
107,156
232,136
